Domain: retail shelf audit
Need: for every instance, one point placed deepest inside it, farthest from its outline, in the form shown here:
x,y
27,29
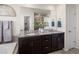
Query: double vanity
x,y
40,42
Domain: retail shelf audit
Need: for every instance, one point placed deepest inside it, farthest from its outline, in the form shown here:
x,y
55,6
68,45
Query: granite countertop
x,y
37,33
7,48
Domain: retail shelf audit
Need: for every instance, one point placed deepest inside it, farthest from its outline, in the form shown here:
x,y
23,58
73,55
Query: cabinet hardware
x,y
46,47
46,40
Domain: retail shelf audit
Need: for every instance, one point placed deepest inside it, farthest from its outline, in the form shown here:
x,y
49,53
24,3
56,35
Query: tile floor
x,y
71,51
7,48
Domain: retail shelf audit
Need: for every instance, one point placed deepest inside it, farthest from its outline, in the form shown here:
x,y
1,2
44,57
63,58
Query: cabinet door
x,y
54,44
46,44
25,45
30,45
61,41
36,44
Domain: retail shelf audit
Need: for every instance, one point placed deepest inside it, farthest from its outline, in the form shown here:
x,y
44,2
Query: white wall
x,y
77,27
14,19
52,17
61,15
26,12
57,12
18,21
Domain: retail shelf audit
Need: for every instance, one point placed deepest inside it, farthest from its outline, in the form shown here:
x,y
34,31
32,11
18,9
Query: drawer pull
x,y
46,47
46,40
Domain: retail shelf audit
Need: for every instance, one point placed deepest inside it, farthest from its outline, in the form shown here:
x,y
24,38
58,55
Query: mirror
x,y
38,21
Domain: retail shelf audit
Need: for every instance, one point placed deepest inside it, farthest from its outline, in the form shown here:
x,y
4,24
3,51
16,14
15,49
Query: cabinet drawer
x,y
54,35
45,44
46,40
46,49
45,36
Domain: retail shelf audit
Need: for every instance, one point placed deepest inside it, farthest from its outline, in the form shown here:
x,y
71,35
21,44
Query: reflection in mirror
x,y
59,24
26,23
38,21
53,24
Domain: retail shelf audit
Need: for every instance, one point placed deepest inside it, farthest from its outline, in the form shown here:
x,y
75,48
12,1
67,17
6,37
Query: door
x,y
0,31
7,31
71,26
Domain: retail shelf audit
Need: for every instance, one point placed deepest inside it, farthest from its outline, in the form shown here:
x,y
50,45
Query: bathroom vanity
x,y
41,43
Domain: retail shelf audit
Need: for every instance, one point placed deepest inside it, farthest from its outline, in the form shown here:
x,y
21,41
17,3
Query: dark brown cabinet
x,y
60,40
29,45
46,43
54,44
41,44
36,44
25,45
57,41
